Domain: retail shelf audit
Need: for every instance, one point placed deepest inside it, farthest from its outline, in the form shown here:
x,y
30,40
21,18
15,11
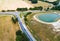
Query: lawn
x,y
42,31
7,28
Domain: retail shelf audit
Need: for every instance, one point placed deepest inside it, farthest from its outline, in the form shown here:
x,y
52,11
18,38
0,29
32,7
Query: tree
x,y
3,11
14,21
21,36
34,1
19,32
21,9
36,8
55,8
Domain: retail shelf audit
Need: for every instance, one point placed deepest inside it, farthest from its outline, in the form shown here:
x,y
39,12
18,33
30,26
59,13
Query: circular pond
x,y
48,17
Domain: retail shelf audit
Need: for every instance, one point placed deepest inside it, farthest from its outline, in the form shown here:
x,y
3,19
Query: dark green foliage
x,y
55,8
36,8
21,9
21,36
31,8
55,3
19,32
28,13
34,1
14,20
18,38
25,19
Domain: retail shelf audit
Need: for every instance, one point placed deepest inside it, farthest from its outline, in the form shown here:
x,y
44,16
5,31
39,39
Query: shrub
x,y
3,11
36,8
34,1
21,9
31,8
19,32
14,20
21,36
55,8
25,17
27,14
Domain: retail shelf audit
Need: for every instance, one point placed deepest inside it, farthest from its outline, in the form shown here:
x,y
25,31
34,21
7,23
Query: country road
x,y
21,24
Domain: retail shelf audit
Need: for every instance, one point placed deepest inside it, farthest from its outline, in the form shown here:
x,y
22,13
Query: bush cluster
x,y
36,8
56,8
21,36
21,9
34,1
14,20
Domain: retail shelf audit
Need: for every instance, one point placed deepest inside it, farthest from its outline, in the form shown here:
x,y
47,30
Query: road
x,y
21,24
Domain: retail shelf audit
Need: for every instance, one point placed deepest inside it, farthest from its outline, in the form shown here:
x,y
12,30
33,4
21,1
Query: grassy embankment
x,y
41,31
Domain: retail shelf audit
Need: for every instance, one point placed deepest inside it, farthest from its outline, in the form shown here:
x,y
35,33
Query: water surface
x,y
48,17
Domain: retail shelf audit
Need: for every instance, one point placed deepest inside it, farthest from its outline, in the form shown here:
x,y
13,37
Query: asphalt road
x,y
21,24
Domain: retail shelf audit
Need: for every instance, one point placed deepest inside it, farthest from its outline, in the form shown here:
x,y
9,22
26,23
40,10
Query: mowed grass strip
x,y
8,29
